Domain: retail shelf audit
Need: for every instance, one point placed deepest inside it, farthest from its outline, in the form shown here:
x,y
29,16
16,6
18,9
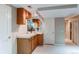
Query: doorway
x,y
59,30
49,32
72,30
68,32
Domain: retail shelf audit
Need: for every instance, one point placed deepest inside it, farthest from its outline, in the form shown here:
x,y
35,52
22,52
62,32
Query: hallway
x,y
57,49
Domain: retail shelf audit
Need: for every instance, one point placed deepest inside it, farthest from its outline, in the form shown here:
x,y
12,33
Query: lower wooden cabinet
x,y
26,46
33,44
35,41
40,39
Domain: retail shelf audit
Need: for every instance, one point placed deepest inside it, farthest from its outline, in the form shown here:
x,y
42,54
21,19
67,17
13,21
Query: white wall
x,y
14,29
14,17
49,31
54,30
59,30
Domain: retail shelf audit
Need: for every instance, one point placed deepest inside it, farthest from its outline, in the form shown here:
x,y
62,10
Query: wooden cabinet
x,y
37,21
22,15
29,15
24,46
40,39
34,42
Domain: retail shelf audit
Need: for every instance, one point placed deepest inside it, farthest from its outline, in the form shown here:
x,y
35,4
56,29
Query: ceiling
x,y
35,5
52,10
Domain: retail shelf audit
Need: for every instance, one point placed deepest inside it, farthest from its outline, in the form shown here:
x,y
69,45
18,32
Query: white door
x,y
49,31
5,30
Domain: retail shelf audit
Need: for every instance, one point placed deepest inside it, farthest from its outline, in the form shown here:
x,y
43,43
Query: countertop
x,y
25,35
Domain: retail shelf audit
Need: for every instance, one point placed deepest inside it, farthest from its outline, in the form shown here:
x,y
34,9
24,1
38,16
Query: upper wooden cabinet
x,y
28,15
37,21
22,15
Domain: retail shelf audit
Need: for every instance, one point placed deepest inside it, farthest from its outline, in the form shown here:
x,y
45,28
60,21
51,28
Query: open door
x,y
72,29
68,32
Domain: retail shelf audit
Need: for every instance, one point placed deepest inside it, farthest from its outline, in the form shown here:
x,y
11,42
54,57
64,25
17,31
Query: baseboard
x,y
48,44
59,44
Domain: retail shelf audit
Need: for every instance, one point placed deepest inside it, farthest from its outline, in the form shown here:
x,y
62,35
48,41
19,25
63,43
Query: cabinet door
x,y
40,39
29,46
36,41
21,16
21,46
33,43
24,46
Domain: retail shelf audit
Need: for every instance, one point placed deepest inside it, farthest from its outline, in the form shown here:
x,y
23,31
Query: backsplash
x,y
22,29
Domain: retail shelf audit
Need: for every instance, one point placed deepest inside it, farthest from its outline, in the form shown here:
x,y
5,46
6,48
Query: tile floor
x,y
57,49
